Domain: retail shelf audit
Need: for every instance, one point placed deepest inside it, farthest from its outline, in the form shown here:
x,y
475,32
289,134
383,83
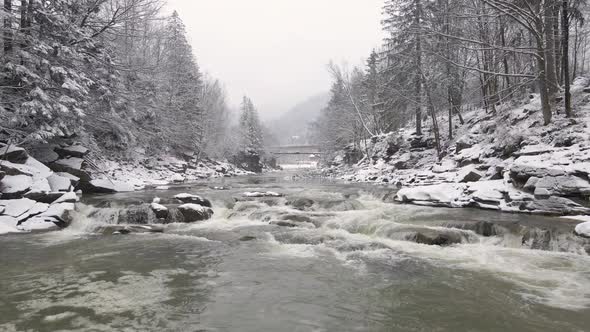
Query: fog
x,y
276,51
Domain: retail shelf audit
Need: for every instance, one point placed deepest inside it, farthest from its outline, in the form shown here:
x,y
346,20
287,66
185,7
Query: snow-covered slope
x,y
507,161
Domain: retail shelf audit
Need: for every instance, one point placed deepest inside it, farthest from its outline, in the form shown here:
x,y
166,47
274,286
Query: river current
x,y
343,260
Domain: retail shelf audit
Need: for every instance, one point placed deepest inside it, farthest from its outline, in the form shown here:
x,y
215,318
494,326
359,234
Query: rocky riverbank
x,y
506,161
39,187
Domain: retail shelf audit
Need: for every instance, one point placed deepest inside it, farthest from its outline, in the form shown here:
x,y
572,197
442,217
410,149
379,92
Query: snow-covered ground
x,y
507,161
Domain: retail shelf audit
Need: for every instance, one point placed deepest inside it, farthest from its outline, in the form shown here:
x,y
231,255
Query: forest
x,y
442,57
115,75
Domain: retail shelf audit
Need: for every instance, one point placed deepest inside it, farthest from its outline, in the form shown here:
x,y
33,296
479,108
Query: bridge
x,y
297,156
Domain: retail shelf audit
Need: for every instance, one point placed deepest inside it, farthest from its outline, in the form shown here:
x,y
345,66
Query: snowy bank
x,y
508,161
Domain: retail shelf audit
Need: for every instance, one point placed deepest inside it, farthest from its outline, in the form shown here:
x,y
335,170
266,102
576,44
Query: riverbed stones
x,y
130,229
194,199
195,212
437,237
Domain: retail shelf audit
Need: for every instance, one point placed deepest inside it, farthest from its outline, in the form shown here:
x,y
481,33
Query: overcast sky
x,y
276,51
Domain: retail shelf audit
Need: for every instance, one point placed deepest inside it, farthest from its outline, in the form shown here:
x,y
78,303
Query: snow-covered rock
x,y
98,186
69,197
73,166
74,180
39,189
38,224
583,229
13,154
15,186
61,212
160,210
189,198
137,215
17,207
59,183
468,174
564,185
8,225
254,194
195,212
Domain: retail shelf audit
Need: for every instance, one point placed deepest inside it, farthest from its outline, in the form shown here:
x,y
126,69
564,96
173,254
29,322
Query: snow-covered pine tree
x,y
180,88
251,137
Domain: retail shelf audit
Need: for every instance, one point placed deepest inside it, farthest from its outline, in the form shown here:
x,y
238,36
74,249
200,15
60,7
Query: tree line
x,y
116,74
441,56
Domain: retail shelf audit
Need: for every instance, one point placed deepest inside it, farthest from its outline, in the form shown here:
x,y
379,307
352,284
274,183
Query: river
x,y
343,264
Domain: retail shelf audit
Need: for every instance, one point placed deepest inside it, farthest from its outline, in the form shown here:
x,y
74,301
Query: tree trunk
x,y
546,105
565,28
8,26
418,68
550,74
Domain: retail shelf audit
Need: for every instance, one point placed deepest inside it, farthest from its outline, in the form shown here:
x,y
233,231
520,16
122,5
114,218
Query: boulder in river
x,y
174,216
160,210
583,230
130,229
137,215
437,237
189,198
301,203
195,212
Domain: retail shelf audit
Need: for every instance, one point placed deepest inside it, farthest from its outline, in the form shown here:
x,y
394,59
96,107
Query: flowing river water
x,y
342,259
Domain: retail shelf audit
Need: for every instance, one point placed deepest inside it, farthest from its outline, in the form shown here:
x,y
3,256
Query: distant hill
x,y
292,127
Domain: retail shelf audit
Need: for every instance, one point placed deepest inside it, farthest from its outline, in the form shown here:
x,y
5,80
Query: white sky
x,y
276,51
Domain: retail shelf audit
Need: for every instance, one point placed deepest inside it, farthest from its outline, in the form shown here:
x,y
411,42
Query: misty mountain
x,y
292,127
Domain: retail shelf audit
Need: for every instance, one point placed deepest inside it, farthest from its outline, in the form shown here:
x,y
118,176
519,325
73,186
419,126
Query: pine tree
x,y
251,137
181,88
